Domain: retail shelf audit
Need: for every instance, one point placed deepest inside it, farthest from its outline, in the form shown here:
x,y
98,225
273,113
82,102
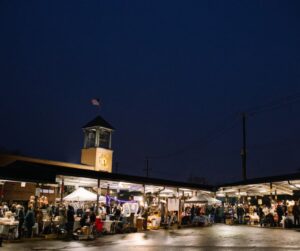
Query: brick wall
x,y
12,191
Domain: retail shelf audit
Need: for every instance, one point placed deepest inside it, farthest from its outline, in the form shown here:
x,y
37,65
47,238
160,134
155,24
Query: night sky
x,y
172,77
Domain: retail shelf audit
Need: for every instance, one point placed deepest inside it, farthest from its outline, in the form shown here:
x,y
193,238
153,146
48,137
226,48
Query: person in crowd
x,y
192,212
231,211
163,212
296,214
240,214
85,219
280,213
117,213
4,208
217,220
70,219
79,212
212,213
29,221
145,216
284,208
13,208
102,211
261,215
1,211
92,217
54,210
20,215
266,210
39,219
269,218
62,216
108,209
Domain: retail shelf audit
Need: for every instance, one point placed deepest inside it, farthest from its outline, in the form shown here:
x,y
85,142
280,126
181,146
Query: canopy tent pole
x,y
179,209
107,200
97,205
2,192
144,196
62,187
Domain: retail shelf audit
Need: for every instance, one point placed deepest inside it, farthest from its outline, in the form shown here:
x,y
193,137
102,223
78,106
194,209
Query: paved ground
x,y
217,237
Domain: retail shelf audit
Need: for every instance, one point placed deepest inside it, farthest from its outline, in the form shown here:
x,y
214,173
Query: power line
x,y
221,130
216,133
274,105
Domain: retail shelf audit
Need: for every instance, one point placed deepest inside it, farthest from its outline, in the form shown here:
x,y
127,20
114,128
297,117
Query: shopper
x,y
29,221
192,212
240,214
20,217
145,216
39,220
70,220
296,213
261,215
279,211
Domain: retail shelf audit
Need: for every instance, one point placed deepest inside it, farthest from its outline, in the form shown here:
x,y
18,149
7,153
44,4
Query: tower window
x,y
91,139
104,139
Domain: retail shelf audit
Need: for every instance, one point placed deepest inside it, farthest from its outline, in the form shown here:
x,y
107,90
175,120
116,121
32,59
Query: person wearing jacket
x,y
70,219
20,217
280,213
240,214
29,221
296,213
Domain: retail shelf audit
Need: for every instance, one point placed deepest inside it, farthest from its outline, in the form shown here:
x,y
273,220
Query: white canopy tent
x,y
81,194
203,198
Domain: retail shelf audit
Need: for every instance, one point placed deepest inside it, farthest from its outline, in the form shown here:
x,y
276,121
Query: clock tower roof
x,y
99,122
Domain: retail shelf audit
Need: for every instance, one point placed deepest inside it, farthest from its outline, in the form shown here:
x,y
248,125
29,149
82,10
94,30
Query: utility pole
x,y
244,150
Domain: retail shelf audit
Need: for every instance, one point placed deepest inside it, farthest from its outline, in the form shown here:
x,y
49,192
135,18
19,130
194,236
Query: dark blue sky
x,y
167,72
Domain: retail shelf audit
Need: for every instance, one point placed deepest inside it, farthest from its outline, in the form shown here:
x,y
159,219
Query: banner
x,y
173,204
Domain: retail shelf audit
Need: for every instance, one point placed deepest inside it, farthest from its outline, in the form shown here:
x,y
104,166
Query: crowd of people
x,y
280,214
67,218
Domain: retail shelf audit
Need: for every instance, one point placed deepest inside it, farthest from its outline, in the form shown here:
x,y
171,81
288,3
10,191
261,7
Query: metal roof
x,y
47,173
267,179
99,122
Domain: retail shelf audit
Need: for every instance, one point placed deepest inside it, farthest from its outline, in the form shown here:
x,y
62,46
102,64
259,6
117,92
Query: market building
x,y
266,201
141,202
96,164
43,184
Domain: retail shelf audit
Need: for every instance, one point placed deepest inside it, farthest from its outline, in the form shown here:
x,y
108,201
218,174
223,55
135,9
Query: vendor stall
x,y
81,194
9,226
204,199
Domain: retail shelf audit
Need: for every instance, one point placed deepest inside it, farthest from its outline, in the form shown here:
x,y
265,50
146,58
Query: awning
x,y
81,194
203,198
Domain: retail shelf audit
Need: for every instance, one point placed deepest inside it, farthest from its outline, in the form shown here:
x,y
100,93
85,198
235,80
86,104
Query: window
x,y
91,139
104,139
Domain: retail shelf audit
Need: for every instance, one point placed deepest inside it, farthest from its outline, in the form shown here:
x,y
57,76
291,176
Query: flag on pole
x,y
95,102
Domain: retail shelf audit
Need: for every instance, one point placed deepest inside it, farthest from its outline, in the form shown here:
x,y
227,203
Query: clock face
x,y
103,159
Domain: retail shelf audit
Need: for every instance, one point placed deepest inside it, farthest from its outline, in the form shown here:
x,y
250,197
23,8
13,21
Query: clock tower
x,y
97,150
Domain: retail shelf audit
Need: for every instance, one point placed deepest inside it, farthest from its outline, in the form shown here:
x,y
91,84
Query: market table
x,y
107,225
76,225
9,228
253,218
48,222
57,222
